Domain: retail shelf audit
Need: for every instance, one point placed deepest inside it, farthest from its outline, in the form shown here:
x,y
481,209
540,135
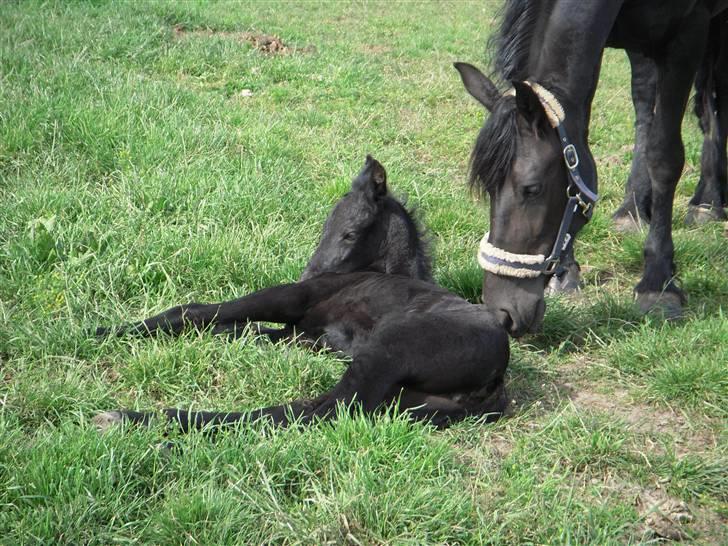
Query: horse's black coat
x,y
711,108
558,44
411,342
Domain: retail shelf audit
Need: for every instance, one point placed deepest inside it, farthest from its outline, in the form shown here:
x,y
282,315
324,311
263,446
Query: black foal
x,y
366,293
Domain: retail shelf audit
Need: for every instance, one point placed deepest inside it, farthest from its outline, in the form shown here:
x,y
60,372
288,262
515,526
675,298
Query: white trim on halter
x,y
486,249
551,106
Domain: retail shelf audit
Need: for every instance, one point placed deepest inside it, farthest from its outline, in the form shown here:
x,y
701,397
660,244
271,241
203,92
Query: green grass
x,y
135,174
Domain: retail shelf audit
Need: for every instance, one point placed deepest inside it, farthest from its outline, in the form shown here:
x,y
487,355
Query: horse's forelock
x,y
495,148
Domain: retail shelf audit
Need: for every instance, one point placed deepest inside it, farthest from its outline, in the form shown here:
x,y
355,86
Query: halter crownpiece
x,y
551,106
580,199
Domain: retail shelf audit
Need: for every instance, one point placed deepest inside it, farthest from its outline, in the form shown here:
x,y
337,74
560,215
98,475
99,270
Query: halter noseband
x,y
580,199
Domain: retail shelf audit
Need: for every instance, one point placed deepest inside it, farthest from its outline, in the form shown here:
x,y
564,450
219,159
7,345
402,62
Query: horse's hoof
x,y
666,304
104,421
627,223
704,214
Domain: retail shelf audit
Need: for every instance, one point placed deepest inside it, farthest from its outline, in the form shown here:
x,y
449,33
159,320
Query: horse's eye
x,y
532,190
349,235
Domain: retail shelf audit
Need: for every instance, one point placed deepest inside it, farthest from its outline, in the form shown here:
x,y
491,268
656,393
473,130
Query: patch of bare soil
x,y
664,517
265,43
375,49
644,418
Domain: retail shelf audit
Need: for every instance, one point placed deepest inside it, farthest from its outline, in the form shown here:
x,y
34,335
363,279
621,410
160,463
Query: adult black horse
x,y
532,155
366,293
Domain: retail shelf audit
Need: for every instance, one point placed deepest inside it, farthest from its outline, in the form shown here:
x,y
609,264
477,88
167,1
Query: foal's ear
x,y
478,85
529,106
372,179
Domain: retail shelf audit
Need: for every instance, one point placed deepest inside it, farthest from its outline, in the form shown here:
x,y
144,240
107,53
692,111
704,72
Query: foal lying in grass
x,y
366,293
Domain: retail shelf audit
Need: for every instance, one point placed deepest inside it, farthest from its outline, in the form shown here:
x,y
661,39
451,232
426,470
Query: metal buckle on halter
x,y
551,265
571,157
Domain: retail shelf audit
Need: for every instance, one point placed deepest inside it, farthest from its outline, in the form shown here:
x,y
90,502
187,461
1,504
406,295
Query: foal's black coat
x,y
366,293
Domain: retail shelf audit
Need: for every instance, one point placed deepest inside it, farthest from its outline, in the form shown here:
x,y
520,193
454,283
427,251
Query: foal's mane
x,y
495,148
422,240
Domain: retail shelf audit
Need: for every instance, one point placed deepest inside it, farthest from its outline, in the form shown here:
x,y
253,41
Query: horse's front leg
x,y
285,303
665,160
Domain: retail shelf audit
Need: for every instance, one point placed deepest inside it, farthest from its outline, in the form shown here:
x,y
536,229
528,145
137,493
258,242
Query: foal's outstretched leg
x,y
366,383
285,303
636,207
281,415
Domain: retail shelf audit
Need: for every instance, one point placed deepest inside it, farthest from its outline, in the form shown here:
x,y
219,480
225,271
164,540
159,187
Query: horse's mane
x,y
512,42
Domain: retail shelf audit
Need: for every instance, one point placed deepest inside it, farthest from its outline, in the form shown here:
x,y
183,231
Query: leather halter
x,y
580,199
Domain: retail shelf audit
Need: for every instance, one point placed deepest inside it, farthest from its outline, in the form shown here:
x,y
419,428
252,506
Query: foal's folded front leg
x,y
285,303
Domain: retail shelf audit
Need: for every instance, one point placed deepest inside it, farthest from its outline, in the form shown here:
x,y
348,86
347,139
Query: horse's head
x,y
518,160
369,230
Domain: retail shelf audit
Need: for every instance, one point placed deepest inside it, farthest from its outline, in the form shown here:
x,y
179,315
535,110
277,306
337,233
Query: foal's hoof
x,y
704,214
665,304
104,421
628,223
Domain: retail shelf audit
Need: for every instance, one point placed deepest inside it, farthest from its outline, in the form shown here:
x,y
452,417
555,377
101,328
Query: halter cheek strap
x,y
580,199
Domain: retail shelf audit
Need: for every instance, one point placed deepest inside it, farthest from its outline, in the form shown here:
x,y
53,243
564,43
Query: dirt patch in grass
x,y
375,49
664,517
643,418
265,43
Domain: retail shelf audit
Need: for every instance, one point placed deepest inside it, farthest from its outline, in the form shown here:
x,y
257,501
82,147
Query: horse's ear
x,y
478,85
372,179
529,106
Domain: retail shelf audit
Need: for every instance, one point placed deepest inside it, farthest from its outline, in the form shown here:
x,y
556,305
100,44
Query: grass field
x,y
151,154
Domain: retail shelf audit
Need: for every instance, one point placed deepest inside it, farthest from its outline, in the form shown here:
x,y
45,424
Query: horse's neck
x,y
567,56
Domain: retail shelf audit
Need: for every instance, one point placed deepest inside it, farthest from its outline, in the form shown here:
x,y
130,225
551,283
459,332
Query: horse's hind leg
x,y
711,106
635,208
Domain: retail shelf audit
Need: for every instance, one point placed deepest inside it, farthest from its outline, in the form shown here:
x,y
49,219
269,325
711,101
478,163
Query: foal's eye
x,y
349,235
532,190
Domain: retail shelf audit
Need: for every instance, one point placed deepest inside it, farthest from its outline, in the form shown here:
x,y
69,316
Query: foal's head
x,y
369,230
